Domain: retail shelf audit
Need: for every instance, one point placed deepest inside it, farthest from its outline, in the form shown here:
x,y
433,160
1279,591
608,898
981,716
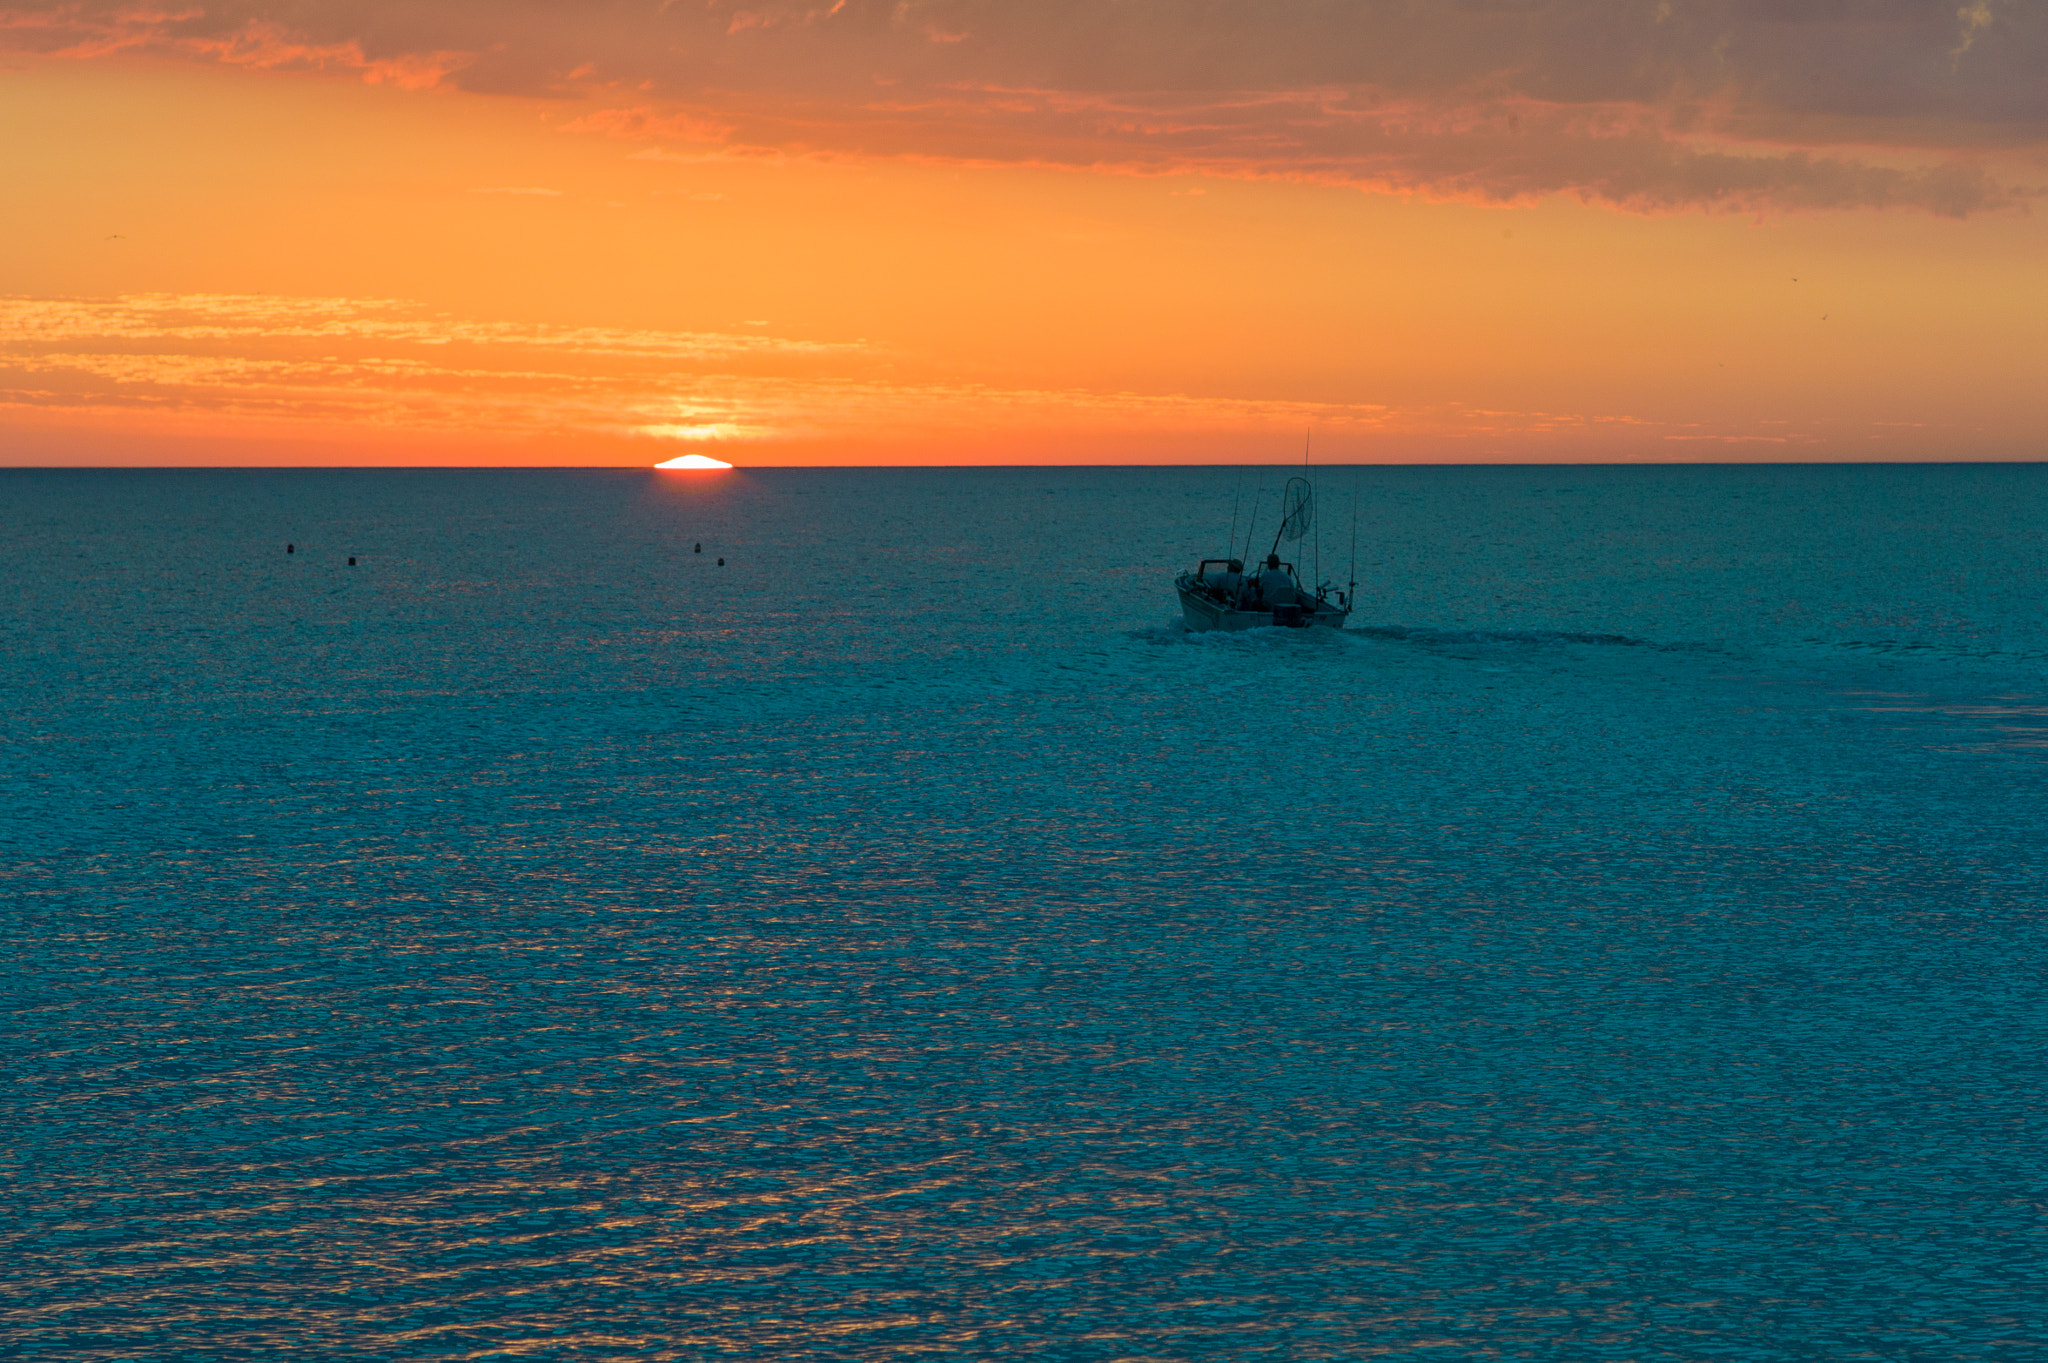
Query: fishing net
x,y
1297,509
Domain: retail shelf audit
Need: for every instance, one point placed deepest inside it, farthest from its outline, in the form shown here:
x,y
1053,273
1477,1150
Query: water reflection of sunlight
x,y
1988,725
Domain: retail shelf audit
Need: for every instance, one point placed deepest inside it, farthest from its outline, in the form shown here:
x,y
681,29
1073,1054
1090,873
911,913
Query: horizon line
x,y
1063,464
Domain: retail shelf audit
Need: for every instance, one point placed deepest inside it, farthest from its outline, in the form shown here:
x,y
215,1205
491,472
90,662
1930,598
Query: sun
x,y
694,461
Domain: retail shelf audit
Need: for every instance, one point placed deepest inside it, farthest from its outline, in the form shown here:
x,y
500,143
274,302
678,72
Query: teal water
x,y
1625,942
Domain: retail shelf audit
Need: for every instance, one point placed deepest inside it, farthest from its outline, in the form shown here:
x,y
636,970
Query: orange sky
x,y
1090,230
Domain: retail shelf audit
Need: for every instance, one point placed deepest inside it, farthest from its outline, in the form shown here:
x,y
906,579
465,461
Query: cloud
x,y
1495,150
264,365
370,364
1737,104
367,372
1976,17
236,318
715,430
86,30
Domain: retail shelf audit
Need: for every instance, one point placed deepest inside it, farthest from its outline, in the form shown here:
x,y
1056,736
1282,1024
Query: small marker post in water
x,y
289,549
699,549
721,563
351,562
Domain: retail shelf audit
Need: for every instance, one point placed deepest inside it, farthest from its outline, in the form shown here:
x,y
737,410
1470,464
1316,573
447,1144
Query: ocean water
x,y
1624,942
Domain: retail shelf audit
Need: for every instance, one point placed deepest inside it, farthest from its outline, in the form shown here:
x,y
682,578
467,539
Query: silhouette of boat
x,y
1220,594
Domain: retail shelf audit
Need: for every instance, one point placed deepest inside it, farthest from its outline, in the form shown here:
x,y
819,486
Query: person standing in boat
x,y
1276,588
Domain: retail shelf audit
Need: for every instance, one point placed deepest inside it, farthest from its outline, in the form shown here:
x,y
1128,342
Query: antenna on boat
x,y
1252,525
1235,494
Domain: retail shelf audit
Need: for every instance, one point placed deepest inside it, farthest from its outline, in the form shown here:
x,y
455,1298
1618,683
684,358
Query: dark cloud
x,y
1643,103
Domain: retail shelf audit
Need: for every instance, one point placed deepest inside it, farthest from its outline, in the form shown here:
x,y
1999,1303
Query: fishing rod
x,y
1316,522
1251,526
1351,594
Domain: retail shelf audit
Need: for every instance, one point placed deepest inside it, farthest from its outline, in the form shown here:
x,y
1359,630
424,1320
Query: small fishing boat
x,y
1220,594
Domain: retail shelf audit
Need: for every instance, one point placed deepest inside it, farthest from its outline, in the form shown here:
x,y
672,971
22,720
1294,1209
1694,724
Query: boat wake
x,y
1177,632
1453,638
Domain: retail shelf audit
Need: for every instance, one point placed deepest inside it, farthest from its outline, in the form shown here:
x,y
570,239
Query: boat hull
x,y
1203,614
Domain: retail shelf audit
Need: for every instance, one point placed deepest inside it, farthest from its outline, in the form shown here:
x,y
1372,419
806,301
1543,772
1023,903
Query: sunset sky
x,y
976,231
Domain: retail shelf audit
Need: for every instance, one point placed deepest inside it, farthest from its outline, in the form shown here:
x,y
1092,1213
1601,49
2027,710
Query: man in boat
x,y
1276,588
1227,585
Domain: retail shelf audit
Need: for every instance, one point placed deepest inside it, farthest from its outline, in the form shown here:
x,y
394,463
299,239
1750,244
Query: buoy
x,y
721,563
699,549
288,548
351,563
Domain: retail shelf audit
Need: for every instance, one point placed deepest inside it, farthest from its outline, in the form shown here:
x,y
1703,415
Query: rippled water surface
x,y
905,941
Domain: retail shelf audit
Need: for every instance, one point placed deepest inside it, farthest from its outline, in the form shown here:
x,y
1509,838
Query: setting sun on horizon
x,y
956,232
